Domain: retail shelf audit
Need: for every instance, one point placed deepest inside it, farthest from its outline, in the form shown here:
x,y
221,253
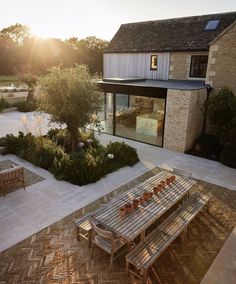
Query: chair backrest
x,y
182,173
102,233
11,175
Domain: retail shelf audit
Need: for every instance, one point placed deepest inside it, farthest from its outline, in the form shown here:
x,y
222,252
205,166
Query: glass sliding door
x,y
140,118
106,116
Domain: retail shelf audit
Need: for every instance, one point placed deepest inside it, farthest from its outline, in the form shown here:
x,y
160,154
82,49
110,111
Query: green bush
x,y
88,164
222,115
3,104
26,106
123,154
228,156
208,146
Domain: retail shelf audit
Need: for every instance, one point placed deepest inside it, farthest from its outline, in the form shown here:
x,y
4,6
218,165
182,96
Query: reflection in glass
x,y
141,118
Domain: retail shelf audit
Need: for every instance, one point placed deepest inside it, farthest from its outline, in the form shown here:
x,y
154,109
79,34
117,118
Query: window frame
x,y
212,29
191,66
151,60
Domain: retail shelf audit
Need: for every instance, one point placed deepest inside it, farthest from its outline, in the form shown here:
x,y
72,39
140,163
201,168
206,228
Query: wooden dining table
x,y
139,219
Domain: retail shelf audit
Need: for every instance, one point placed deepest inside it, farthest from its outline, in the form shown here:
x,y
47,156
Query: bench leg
x,y
145,277
208,206
185,233
90,238
78,234
127,267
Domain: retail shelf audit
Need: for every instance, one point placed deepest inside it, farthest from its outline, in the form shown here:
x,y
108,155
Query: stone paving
x,y
54,255
24,213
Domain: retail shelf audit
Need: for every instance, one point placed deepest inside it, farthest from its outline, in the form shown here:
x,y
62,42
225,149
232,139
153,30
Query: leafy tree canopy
x,y
17,33
71,97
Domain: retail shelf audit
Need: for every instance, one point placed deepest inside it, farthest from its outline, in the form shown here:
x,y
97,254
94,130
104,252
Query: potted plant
x,y
168,181
146,195
163,183
135,203
156,189
141,201
128,207
122,211
173,178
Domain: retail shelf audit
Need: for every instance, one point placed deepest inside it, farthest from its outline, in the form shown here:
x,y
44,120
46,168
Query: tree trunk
x,y
74,139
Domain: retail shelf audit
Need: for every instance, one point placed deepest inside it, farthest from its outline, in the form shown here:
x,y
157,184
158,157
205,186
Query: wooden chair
x,y
106,241
183,173
10,177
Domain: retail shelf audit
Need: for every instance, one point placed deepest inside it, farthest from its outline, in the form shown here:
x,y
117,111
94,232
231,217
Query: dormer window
x,y
153,62
212,25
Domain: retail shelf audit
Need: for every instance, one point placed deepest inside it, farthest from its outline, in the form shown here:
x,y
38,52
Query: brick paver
x,y
54,255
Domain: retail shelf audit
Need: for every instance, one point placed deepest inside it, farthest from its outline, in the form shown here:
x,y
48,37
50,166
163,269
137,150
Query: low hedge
x,y
228,156
91,162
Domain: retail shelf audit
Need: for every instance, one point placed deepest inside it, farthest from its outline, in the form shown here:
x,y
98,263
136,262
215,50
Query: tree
x,y
30,80
222,115
17,33
89,52
71,97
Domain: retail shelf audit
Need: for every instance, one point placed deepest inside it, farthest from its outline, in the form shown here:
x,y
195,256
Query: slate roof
x,y
179,34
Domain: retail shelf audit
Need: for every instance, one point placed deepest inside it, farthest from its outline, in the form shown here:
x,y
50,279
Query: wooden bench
x,y
10,177
146,253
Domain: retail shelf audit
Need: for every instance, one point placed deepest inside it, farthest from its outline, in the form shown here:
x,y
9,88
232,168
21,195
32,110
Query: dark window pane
x,y
198,66
153,64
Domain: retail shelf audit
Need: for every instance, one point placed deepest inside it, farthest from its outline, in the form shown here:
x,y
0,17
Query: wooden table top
x,y
133,224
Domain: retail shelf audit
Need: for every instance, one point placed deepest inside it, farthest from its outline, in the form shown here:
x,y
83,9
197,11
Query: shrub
x,y
228,156
88,164
18,144
123,153
222,115
208,146
3,104
26,106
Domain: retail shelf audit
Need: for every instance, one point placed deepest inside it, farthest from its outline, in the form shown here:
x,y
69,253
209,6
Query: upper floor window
x,y
153,62
212,25
198,66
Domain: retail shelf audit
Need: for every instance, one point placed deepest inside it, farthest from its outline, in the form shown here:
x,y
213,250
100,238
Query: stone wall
x,y
179,67
221,69
184,118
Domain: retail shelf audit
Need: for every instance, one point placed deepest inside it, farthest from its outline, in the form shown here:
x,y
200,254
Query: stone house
x,y
158,74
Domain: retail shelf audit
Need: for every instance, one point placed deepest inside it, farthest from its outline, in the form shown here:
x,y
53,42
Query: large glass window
x,y
198,66
142,119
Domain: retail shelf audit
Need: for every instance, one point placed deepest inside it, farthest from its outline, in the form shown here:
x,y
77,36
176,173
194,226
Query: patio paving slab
x,y
223,269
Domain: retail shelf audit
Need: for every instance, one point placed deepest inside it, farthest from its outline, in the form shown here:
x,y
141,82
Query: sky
x,y
101,18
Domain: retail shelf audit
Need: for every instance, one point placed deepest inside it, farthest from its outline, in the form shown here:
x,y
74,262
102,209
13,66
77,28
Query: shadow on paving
x,y
54,255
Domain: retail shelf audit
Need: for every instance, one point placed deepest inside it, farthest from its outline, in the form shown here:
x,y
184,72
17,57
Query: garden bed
x,y
89,163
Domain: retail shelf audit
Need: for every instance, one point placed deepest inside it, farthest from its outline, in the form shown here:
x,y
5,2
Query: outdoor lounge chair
x,y
106,241
10,177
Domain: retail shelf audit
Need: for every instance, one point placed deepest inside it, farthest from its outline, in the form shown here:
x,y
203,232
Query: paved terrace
x,y
24,213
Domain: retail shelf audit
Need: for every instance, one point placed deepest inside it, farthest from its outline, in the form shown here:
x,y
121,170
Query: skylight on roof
x,y
212,25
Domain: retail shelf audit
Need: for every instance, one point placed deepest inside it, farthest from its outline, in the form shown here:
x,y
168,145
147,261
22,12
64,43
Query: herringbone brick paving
x,y
54,255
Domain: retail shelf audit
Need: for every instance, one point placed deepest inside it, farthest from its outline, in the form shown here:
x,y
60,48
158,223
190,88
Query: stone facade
x,y
184,118
179,67
221,69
